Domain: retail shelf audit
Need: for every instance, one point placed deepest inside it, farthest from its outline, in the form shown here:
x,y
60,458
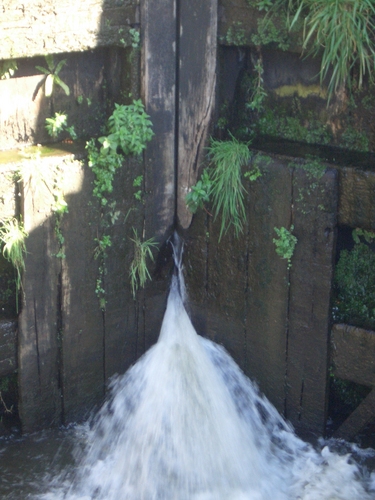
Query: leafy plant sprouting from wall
x,y
100,253
135,37
7,68
285,243
259,93
52,76
59,123
139,272
129,129
199,194
12,239
56,124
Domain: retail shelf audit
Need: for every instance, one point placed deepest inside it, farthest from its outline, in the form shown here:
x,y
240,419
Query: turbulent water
x,y
185,423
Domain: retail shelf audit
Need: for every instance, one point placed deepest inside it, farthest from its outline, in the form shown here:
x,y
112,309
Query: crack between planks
x,y
37,342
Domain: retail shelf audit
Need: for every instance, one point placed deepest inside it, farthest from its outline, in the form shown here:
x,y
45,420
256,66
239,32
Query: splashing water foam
x,y
184,423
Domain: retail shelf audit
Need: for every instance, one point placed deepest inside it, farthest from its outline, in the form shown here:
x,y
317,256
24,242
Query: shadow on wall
x,y
79,323
69,343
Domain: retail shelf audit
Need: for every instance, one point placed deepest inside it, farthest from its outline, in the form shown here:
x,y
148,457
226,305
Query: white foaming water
x,y
184,423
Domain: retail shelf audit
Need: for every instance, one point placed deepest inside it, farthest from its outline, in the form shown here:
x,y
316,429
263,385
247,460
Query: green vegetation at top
x,y
340,32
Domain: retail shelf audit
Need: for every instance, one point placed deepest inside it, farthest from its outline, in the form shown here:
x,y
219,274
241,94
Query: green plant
x,y
314,167
139,272
102,244
81,98
56,124
72,132
272,32
59,207
354,139
236,34
135,37
52,75
59,123
137,183
200,193
226,189
259,93
344,30
104,168
293,128
7,69
258,161
59,237
261,4
130,129
285,243
100,252
369,236
12,238
354,285
340,32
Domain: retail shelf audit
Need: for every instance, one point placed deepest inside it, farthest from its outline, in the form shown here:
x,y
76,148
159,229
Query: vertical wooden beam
x,y
196,84
268,291
315,209
158,23
38,355
82,335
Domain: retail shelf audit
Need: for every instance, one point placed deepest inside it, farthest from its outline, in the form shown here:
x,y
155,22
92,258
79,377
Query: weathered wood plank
x,y
356,201
159,93
226,290
267,289
82,342
38,350
364,414
196,83
314,218
353,354
353,359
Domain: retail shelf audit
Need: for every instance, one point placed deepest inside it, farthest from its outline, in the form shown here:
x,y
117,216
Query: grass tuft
x,y
227,190
139,272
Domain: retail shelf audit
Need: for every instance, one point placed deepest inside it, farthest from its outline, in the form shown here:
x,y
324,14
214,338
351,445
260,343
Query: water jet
x,y
185,423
